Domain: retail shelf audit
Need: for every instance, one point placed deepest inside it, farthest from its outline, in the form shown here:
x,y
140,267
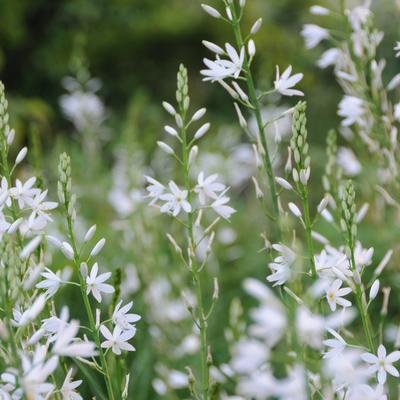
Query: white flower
x,y
310,327
397,49
68,345
318,10
249,355
280,267
336,345
4,193
352,110
29,315
366,392
52,282
155,189
313,35
36,370
122,318
283,83
222,69
117,341
382,363
397,111
358,16
96,285
23,192
220,207
363,257
83,109
175,200
39,206
334,295
68,388
294,386
329,57
348,161
207,187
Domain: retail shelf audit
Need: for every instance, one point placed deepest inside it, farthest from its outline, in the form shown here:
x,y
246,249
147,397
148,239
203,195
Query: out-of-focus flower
x,y
348,161
351,109
313,35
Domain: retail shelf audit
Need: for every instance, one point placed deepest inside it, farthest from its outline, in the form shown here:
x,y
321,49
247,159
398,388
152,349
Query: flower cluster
x,y
37,341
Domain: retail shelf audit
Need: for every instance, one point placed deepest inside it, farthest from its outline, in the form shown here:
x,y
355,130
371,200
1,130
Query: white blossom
x,y
95,283
175,200
284,83
117,340
351,109
67,390
313,35
121,317
207,187
335,293
381,363
220,69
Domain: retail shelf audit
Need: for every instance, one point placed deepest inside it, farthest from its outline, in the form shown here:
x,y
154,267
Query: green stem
x,y
260,124
85,297
308,228
362,309
202,323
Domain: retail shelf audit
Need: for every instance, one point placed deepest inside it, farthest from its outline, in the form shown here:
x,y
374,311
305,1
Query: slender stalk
x,y
86,301
254,100
308,229
202,322
361,305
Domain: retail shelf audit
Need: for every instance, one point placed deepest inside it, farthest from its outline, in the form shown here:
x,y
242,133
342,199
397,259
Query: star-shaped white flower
x,y
335,294
206,187
221,208
283,83
382,363
23,192
155,189
68,388
175,200
117,340
51,283
336,345
96,285
221,69
122,318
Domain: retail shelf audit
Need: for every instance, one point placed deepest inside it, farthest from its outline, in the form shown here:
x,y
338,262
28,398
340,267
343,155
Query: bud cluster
x,y
299,145
330,177
8,133
64,185
347,222
182,96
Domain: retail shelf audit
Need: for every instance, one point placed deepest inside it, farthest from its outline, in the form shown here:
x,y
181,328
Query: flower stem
x,y
361,304
308,228
202,323
260,124
88,308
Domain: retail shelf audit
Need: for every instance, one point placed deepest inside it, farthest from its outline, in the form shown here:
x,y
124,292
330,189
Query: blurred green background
x,y
135,47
